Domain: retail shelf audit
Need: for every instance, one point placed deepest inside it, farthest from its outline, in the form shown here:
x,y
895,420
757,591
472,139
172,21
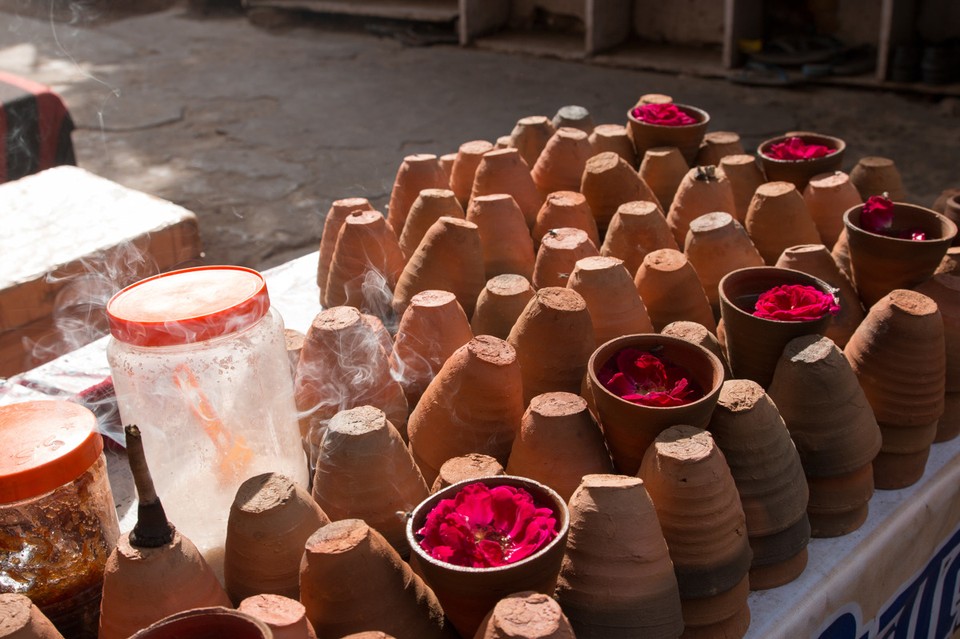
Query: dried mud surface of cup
x,y
574,116
703,190
799,172
553,338
416,172
286,617
717,244
20,619
504,171
530,136
617,579
828,196
899,356
874,175
717,145
449,258
612,299
335,218
565,209
699,509
698,334
745,175
559,443
504,236
560,165
365,471
558,254
686,138
778,219
464,168
449,423
608,181
383,593
430,206
636,229
671,290
525,615
614,137
663,169
270,519
469,466
630,428
499,304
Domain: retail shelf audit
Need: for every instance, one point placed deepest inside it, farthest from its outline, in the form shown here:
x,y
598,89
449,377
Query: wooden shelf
x,y
413,10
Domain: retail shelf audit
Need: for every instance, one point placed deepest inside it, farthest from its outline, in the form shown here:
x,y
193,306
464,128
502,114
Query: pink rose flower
x,y
794,148
662,114
643,378
795,303
876,216
482,527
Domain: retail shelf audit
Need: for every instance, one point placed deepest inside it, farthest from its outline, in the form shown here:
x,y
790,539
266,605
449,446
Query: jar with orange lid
x,y
199,364
58,520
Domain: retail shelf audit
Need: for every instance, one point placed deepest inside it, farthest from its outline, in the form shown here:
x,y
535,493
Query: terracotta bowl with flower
x,y
797,156
640,385
763,308
669,124
480,540
894,245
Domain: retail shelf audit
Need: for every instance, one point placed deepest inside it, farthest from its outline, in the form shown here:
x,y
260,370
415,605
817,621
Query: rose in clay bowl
x,y
798,156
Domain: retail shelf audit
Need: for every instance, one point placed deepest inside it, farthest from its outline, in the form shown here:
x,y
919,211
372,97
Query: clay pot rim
x,y
207,612
837,144
553,500
702,119
789,276
647,341
948,228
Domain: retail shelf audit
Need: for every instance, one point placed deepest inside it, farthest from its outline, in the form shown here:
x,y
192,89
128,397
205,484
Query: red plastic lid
x,y
44,445
188,306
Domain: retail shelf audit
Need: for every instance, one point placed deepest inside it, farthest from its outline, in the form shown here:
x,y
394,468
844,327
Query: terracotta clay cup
x,y
449,423
416,172
612,299
799,172
446,164
671,290
430,206
873,175
20,619
950,264
553,338
699,509
769,477
899,355
630,428
449,258
464,168
468,594
717,244
703,190
834,429
637,228
609,181
559,252
745,175
945,291
654,98
717,145
499,304
560,165
504,171
951,211
530,136
663,169
200,623
686,138
431,329
286,617
352,580
614,137
559,443
754,344
368,634
574,116
504,236
525,615
270,519
366,264
617,579
778,219
565,209
828,196
470,466
293,341
816,260
698,334
364,471
335,218
880,264
340,342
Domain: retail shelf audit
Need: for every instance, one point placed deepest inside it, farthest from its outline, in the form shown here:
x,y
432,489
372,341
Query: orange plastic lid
x,y
188,306
44,445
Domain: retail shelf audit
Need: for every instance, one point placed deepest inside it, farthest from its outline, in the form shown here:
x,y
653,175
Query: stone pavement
x,y
258,130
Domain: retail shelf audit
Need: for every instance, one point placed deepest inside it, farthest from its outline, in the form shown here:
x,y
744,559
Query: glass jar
x,y
58,521
199,364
